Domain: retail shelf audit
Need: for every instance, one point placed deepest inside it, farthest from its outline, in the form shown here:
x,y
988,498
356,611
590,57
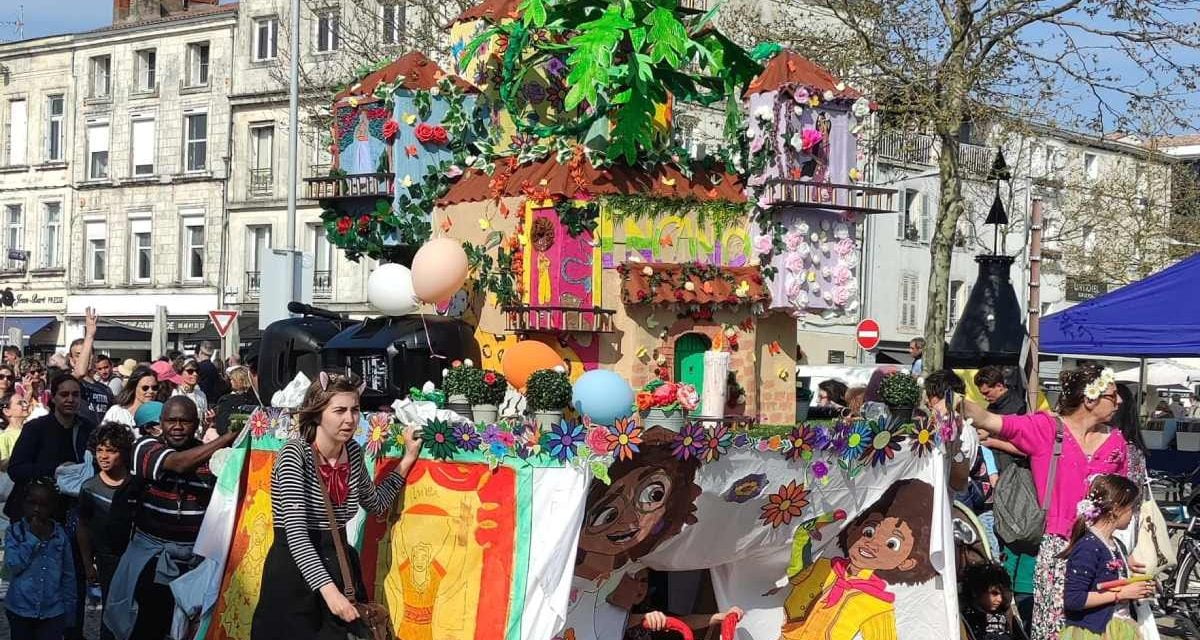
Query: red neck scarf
x,y
873,586
336,478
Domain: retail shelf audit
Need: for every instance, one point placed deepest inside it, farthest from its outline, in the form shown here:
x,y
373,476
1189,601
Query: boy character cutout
x,y
650,499
847,598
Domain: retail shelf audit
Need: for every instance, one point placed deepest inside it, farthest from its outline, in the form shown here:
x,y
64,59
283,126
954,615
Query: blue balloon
x,y
603,396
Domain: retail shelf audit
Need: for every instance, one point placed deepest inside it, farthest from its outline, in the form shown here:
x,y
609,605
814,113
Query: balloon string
x,y
429,341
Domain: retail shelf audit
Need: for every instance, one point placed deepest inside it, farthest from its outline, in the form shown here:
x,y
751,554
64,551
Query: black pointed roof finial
x,y
1000,170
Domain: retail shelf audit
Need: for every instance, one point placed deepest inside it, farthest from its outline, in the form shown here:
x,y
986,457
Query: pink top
x,y
1034,435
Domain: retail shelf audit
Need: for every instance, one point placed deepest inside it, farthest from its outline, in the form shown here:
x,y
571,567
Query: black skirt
x,y
287,608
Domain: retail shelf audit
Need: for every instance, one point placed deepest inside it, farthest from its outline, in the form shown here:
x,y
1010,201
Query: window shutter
x,y
926,218
143,143
18,131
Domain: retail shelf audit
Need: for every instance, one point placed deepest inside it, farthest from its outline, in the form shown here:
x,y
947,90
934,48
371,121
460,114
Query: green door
x,y
689,359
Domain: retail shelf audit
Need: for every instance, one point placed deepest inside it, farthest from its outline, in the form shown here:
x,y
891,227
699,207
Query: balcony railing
x,y
975,160
523,318
253,283
828,195
366,185
262,182
322,284
906,148
693,6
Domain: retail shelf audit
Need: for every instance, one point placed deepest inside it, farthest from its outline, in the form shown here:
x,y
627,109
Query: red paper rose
x,y
364,222
489,378
440,136
390,129
424,132
344,225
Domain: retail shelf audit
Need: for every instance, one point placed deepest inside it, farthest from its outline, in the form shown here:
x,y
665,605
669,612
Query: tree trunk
x,y
941,248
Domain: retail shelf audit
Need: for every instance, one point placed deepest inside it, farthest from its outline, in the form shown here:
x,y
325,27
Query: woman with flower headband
x,y
303,595
1094,608
1064,449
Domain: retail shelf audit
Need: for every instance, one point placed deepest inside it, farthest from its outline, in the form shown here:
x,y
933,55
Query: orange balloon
x,y
525,357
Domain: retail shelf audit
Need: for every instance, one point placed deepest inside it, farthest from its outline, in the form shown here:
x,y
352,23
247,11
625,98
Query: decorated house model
x,y
651,267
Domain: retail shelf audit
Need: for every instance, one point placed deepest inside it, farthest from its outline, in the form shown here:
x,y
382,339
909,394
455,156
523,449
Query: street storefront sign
x,y
183,325
1078,291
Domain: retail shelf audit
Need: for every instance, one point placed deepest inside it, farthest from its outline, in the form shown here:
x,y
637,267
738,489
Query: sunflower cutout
x,y
379,427
882,447
923,440
624,437
785,504
438,437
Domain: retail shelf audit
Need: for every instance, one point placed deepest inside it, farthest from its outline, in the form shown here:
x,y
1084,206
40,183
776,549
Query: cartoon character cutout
x,y
650,499
364,153
425,531
847,598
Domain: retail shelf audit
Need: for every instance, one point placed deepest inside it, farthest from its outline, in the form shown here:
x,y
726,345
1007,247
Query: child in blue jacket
x,y
41,572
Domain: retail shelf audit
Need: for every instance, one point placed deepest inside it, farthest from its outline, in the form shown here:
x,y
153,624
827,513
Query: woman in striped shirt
x,y
301,595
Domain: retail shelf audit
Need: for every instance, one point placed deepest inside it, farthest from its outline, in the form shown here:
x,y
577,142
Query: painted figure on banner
x,y
651,497
847,598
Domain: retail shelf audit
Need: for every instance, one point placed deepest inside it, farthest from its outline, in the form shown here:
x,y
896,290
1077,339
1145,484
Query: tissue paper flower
x,y
827,296
828,95
841,276
810,138
762,244
841,230
845,246
647,271
802,300
797,142
687,396
841,296
795,262
794,285
800,95
826,272
861,108
792,239
802,229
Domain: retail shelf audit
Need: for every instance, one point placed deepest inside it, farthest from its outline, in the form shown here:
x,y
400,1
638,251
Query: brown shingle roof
x,y
789,68
494,10
419,73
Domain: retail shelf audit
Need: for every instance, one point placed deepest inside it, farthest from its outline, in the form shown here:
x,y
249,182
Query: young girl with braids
x,y
1086,445
1094,557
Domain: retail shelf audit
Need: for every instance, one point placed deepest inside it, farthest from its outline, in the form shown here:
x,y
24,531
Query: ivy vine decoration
x,y
578,214
493,275
721,214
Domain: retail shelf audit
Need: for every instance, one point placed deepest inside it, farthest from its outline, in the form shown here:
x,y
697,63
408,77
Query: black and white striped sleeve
x,y
289,486
375,499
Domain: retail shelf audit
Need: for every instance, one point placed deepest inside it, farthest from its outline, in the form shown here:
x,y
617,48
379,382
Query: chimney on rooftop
x,y
126,11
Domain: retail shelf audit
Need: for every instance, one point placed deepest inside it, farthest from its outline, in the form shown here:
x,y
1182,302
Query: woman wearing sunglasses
x,y
8,378
141,387
14,411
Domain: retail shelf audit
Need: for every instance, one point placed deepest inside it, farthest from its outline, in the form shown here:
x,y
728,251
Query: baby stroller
x,y
971,546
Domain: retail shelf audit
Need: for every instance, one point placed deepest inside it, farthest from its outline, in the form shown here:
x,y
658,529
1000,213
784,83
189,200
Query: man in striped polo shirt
x,y
175,487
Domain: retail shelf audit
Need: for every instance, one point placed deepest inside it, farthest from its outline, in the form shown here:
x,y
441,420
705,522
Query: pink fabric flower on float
x,y
800,95
811,138
665,394
597,440
762,244
844,246
841,275
795,262
687,397
841,296
792,239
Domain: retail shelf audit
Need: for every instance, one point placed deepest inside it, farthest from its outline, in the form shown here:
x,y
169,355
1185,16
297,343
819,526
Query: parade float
x,y
600,257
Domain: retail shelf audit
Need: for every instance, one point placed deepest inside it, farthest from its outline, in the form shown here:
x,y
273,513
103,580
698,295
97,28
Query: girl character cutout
x,y
847,598
651,497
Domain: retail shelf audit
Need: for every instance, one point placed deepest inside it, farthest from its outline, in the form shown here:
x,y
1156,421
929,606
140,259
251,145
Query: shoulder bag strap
x,y
343,563
1048,496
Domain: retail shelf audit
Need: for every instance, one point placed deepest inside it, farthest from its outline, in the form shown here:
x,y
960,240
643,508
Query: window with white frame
x,y
141,260
193,248
258,242
1091,166
262,156
327,30
14,233
197,64
266,39
914,216
51,235
96,268
16,128
393,21
55,129
97,151
143,146
195,141
322,250
147,70
910,293
101,76
958,302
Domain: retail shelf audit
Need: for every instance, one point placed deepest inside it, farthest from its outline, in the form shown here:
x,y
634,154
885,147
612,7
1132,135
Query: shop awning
x,y
28,325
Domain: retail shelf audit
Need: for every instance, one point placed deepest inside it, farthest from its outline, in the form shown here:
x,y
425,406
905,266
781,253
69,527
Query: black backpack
x,y
1020,511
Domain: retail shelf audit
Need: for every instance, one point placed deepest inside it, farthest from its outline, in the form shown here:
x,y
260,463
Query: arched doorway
x,y
689,359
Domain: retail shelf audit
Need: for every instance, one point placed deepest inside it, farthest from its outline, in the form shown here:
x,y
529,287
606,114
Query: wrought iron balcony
x,y
975,160
253,283
366,185
828,195
322,284
524,318
262,182
906,148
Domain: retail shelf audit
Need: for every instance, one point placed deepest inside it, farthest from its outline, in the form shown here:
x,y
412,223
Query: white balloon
x,y
390,289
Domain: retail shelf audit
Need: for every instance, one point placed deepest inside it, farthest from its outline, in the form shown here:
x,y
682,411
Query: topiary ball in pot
x,y
899,389
548,390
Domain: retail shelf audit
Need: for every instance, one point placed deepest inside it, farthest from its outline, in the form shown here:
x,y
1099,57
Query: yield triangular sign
x,y
222,319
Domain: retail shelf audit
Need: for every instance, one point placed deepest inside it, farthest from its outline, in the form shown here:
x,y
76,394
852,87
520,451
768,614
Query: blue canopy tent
x,y
1156,317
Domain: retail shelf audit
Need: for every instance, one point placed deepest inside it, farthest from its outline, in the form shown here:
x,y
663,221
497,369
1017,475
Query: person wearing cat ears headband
x,y
303,592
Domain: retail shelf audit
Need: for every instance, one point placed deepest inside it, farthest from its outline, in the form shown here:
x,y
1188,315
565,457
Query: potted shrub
x,y
487,395
665,404
547,394
457,384
900,392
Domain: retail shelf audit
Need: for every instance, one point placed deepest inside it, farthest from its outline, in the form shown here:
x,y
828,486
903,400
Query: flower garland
x,y
1096,387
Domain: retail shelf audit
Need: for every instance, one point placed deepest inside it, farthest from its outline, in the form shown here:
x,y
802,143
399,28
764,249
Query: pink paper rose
x,y
841,275
795,262
841,296
687,397
597,441
845,246
762,244
793,239
811,138
665,394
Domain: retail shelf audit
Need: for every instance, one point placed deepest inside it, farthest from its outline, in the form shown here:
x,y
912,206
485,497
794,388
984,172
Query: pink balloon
x,y
439,270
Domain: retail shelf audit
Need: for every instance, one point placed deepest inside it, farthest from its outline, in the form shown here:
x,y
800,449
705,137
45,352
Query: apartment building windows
x,y
97,151
958,302
197,74
195,141
101,76
193,248
910,295
55,128
16,127
143,146
327,30
14,232
147,71
1091,166
141,248
393,22
51,235
266,39
258,242
262,156
322,250
914,216
96,267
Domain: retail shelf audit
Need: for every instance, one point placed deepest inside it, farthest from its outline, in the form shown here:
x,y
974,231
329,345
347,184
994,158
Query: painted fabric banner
x,y
808,547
